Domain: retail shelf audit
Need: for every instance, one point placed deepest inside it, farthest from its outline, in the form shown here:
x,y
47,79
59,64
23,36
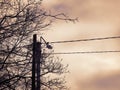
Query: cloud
x,y
97,18
101,10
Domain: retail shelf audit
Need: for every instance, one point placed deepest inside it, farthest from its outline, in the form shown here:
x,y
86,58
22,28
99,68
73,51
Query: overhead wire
x,y
82,40
87,52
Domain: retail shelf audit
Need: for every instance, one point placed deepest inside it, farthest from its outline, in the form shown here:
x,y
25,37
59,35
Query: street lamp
x,y
46,43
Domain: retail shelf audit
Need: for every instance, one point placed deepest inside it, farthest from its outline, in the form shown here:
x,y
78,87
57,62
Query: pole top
x,y
35,38
34,35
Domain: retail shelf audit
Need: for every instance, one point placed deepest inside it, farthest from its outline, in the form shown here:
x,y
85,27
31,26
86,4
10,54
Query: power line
x,y
88,52
91,39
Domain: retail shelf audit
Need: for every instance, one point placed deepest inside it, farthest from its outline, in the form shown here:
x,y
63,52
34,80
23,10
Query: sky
x,y
97,18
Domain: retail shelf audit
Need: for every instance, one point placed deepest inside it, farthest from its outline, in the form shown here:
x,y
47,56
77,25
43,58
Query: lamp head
x,y
48,45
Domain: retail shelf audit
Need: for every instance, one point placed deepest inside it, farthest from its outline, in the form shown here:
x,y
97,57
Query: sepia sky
x,y
97,18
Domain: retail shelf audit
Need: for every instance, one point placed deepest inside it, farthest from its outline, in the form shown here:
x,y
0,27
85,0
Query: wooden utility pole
x,y
33,61
36,64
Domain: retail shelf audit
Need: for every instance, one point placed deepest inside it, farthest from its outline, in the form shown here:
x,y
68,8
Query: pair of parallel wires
x,y
86,40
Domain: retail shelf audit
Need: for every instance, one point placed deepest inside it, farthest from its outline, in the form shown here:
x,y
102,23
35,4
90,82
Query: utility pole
x,y
33,61
36,64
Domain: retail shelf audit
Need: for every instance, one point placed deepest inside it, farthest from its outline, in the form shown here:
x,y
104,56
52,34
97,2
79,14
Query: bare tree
x,y
19,20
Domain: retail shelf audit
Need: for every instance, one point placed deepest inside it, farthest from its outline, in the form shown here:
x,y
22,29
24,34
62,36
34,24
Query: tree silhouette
x,y
19,20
